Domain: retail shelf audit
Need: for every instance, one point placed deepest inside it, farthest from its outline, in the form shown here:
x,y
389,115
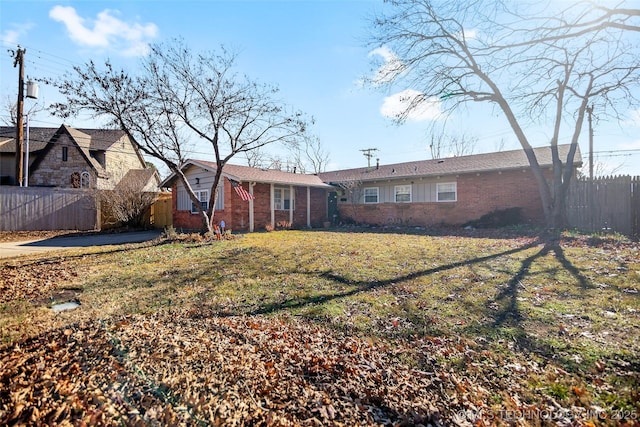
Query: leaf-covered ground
x,y
326,328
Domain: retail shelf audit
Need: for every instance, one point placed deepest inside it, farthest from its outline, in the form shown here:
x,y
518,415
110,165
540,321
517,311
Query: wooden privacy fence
x,y
161,212
37,208
606,204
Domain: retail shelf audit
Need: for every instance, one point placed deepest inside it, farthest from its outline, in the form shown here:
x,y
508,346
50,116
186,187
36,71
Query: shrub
x,y
497,218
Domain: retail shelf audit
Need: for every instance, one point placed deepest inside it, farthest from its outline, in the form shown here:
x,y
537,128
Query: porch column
x,y
272,205
308,207
251,217
291,202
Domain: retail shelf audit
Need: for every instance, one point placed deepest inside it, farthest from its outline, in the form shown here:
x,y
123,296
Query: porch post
x,y
308,207
292,200
251,217
272,205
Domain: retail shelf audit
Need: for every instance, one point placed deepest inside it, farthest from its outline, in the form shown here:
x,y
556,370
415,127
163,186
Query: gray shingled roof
x,y
84,143
500,161
249,174
98,139
137,179
38,138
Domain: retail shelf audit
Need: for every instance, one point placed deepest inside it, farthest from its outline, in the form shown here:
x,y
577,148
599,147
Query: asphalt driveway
x,y
11,249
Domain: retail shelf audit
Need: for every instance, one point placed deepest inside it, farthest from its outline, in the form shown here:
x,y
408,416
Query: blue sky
x,y
315,51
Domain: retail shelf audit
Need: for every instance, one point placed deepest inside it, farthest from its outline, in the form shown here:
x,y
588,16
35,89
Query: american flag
x,y
244,194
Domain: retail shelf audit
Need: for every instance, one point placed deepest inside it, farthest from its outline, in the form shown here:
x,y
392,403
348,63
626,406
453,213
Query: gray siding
x,y
205,183
422,190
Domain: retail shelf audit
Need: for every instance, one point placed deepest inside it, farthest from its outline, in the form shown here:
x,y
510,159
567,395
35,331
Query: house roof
x,y
499,161
247,173
87,140
140,180
38,138
92,139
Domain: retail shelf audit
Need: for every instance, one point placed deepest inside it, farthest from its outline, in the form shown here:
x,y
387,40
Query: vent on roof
x,y
393,170
440,161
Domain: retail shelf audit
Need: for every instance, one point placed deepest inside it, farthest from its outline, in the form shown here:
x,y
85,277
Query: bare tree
x,y
11,106
316,155
535,62
128,202
451,145
180,98
255,158
308,157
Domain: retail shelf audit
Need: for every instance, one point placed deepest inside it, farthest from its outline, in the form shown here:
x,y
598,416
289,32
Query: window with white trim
x,y
402,193
371,195
446,192
203,196
85,180
283,199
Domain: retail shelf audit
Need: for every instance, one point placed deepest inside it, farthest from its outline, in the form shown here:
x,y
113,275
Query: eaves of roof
x,y
477,163
249,174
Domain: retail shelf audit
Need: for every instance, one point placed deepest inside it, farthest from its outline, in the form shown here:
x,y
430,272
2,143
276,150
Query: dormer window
x,y
100,157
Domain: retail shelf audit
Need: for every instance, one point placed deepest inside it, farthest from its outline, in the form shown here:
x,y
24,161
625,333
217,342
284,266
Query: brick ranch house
x,y
449,191
298,199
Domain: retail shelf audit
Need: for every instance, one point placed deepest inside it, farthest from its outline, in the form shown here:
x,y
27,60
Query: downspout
x,y
251,217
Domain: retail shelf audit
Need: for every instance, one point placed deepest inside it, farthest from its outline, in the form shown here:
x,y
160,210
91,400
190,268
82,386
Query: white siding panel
x,y
199,179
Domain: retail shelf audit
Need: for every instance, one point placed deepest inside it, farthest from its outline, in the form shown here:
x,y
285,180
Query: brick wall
x,y
236,210
194,221
478,194
262,207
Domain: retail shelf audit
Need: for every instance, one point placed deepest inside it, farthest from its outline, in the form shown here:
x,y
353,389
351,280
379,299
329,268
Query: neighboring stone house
x,y
79,158
450,191
38,139
250,198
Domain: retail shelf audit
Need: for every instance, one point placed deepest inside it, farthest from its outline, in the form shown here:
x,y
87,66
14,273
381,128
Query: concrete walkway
x,y
12,249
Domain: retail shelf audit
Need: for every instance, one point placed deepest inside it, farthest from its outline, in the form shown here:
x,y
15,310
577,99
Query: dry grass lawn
x,y
326,328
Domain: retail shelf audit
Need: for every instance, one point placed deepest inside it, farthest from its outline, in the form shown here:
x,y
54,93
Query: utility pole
x,y
368,153
19,62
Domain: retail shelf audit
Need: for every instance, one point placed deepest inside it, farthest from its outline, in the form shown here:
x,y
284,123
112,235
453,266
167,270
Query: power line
x,y
368,153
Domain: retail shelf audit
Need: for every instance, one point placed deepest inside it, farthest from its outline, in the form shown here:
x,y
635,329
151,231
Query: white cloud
x,y
391,67
412,105
633,118
631,145
470,34
107,31
12,36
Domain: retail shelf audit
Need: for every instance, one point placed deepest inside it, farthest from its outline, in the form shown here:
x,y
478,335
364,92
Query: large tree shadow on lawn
x,y
365,286
507,232
508,297
509,315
